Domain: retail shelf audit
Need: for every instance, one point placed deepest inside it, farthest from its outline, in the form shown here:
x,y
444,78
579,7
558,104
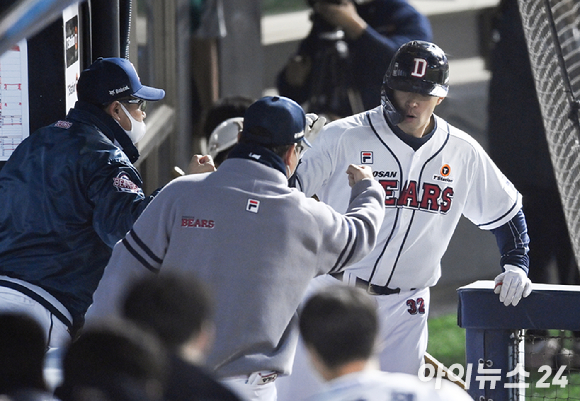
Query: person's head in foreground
x,y
177,308
339,326
114,361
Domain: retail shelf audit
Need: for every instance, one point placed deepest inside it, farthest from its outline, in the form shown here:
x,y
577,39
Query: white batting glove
x,y
512,285
314,124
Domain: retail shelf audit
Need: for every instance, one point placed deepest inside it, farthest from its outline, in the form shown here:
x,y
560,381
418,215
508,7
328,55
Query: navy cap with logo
x,y
274,120
110,79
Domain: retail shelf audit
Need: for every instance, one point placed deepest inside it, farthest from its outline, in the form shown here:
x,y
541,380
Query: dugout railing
x,y
495,337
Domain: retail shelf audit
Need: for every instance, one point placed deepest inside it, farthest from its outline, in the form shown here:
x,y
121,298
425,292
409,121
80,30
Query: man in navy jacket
x,y
69,192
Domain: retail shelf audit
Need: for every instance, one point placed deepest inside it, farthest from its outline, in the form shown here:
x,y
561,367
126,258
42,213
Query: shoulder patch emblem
x,y
63,124
122,182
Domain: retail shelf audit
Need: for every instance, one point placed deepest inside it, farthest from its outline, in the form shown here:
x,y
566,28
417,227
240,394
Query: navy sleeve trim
x,y
144,247
338,265
140,258
482,226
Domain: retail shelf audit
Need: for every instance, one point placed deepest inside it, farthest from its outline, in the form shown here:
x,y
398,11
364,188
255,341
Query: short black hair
x,y
22,352
116,358
175,306
340,323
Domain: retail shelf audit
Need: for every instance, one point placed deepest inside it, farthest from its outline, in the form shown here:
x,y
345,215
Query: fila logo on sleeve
x,y
366,157
253,206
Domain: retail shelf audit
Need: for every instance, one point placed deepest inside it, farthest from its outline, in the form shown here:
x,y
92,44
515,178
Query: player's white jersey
x,y
427,191
373,385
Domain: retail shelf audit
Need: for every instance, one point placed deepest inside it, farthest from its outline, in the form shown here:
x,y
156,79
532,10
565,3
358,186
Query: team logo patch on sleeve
x,y
122,182
253,206
366,157
63,124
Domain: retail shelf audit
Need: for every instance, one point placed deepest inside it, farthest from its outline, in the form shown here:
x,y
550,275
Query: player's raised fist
x,y
357,173
201,164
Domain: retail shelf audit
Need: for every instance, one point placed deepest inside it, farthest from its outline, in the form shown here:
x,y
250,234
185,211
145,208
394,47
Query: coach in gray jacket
x,y
254,241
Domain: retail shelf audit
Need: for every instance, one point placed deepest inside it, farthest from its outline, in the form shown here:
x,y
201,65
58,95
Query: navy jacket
x,y
68,194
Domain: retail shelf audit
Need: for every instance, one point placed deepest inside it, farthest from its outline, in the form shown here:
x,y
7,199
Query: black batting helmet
x,y
419,67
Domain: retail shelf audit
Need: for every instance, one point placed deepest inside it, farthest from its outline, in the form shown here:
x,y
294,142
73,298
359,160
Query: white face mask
x,y
138,128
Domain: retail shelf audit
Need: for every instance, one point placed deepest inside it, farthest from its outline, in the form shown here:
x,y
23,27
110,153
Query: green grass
x,y
447,344
446,340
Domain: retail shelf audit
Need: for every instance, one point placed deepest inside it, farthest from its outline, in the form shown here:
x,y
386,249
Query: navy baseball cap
x,y
110,79
274,120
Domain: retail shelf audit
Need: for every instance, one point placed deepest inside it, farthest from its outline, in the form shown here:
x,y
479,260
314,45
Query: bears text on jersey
x,y
430,197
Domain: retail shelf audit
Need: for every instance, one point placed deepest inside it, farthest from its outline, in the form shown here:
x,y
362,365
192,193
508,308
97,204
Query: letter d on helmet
x,y
419,67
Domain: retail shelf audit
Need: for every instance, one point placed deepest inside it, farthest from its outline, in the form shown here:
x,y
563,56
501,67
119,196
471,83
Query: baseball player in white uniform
x,y
432,174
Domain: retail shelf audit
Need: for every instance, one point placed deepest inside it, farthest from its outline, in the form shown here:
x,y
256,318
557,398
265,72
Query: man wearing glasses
x,y
252,240
69,192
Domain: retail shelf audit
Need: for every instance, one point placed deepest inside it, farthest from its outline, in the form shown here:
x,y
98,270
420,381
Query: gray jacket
x,y
256,243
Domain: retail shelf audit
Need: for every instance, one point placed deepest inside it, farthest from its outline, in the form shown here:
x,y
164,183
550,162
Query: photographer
x,y
339,67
